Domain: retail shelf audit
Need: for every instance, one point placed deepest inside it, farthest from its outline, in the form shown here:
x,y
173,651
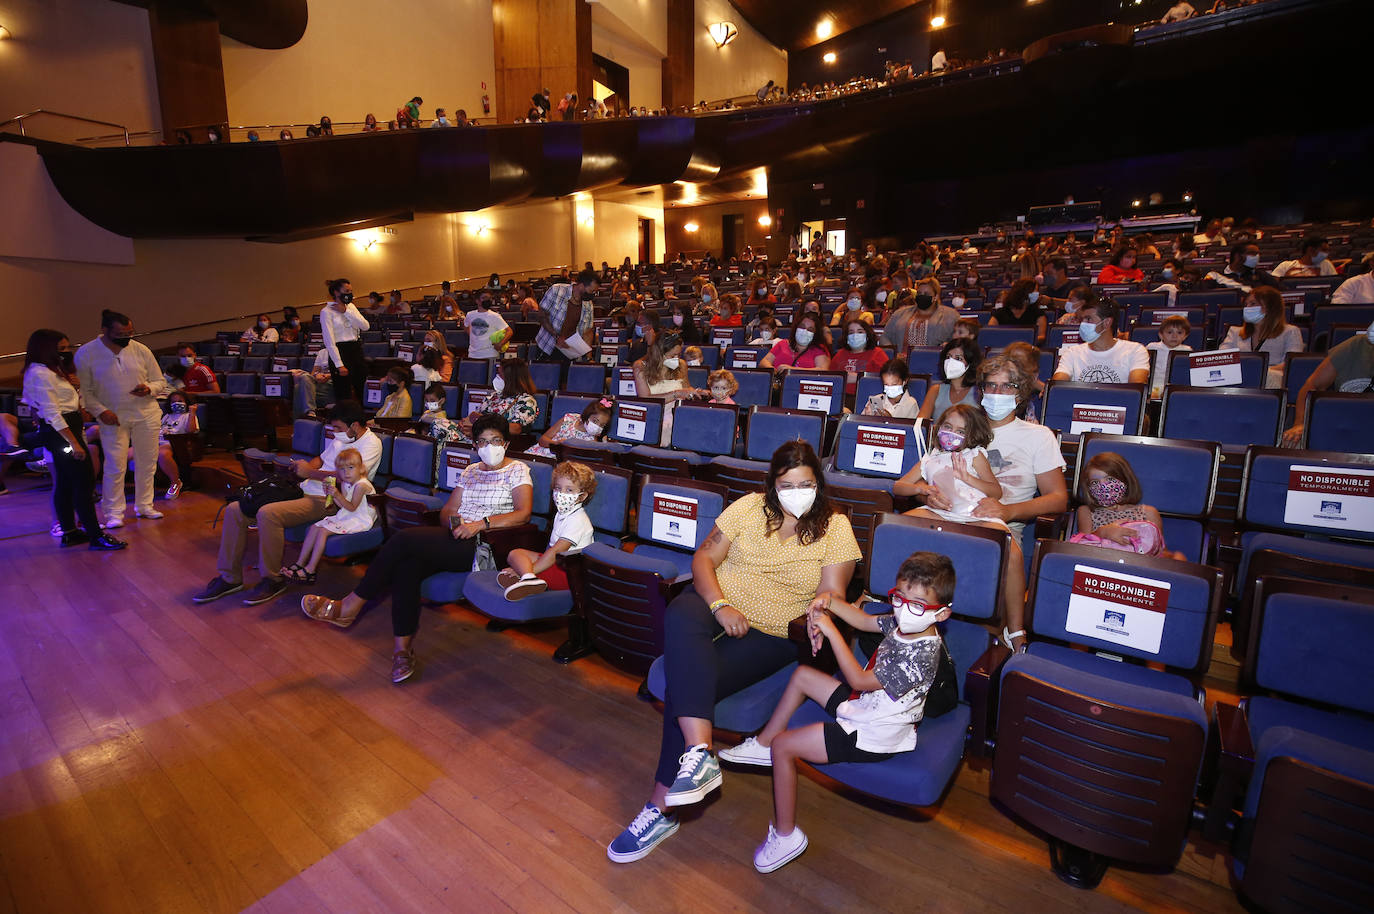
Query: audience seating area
x,y
1103,742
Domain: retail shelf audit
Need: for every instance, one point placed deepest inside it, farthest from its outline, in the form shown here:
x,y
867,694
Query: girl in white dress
x,y
955,476
355,515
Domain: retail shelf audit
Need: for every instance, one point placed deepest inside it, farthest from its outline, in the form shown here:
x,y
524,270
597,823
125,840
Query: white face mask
x,y
882,295
854,304
432,405
1369,334
672,363
804,338
1072,305
797,502
593,427
957,302
1252,260
344,438
677,320
1166,273
894,391
1253,314
693,363
857,341
492,454
187,361
565,502
1033,297
999,406
1088,332
1319,257
909,621
498,384
765,334
954,368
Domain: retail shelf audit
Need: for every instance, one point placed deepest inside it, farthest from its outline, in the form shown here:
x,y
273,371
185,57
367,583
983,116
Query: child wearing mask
x,y
591,425
436,402
397,404
530,572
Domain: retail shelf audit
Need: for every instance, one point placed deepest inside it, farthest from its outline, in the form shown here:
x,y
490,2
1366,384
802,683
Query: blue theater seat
x,y
1339,422
1094,747
873,451
768,429
1297,756
1236,417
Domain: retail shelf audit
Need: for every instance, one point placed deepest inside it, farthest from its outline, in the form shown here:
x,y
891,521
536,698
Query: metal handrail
x,y
306,309
19,119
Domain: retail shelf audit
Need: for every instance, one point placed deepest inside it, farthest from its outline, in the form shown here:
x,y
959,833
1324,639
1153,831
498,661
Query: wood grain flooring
x,y
159,756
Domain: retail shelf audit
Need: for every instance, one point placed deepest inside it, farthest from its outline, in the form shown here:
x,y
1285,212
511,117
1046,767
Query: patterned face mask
x,y
1107,491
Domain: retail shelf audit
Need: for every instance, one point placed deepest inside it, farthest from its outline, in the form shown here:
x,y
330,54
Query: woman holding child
x,y
769,556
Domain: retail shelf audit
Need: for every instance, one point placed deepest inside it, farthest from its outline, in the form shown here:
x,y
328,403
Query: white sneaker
x,y
56,530
113,523
150,513
779,850
173,490
749,752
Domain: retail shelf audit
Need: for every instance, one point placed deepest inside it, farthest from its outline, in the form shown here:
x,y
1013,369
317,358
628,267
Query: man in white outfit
x,y
120,383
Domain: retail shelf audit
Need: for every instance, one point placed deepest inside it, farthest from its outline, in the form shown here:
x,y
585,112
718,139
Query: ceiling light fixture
x,y
829,57
722,33
937,22
825,28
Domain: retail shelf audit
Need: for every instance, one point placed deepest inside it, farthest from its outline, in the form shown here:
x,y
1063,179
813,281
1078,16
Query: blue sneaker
x,y
698,775
649,828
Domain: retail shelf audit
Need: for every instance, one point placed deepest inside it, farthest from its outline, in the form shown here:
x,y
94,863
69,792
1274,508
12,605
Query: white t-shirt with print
x,y
1161,374
905,667
481,325
1084,364
1021,451
575,527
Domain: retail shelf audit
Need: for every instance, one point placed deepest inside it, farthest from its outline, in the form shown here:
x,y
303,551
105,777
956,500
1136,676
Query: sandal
x,y
1008,637
403,666
298,573
325,609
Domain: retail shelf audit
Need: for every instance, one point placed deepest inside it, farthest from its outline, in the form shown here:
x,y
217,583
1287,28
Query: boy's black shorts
x,y
839,745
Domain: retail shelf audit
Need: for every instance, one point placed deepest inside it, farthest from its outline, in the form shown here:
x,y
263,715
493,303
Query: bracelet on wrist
x,y
718,605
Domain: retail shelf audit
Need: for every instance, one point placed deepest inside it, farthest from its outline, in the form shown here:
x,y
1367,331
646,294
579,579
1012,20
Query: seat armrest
x,y
980,691
1231,764
1051,526
503,539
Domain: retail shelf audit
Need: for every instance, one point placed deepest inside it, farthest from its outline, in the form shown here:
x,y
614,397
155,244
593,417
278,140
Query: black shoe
x,y
218,587
106,543
75,538
15,453
267,589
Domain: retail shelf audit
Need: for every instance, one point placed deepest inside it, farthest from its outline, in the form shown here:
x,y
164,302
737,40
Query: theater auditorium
x,y
677,455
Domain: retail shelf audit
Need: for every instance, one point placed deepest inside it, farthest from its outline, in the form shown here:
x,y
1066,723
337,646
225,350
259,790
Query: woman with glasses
x,y
769,555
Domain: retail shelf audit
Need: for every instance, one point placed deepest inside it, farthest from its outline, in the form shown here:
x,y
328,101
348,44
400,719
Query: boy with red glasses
x,y
876,708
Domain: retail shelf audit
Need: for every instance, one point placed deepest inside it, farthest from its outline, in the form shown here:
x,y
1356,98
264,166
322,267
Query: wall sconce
x,y
765,220
480,228
5,34
691,228
828,57
937,22
722,33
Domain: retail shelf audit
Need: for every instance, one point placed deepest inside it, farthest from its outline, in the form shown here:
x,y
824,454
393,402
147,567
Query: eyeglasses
x,y
920,608
1000,387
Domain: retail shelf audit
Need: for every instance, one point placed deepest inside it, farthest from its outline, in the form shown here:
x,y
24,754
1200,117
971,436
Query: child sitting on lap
x,y
873,722
530,572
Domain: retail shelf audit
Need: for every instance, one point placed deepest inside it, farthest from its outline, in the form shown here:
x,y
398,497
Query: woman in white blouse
x,y
1264,329
48,388
261,332
343,326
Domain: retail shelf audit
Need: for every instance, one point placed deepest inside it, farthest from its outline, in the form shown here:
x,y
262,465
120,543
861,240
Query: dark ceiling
x,y
792,26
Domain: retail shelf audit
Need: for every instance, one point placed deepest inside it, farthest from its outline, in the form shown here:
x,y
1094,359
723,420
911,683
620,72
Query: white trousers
x,y
139,431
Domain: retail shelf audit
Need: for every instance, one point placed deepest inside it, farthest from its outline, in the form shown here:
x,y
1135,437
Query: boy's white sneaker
x,y
779,850
749,752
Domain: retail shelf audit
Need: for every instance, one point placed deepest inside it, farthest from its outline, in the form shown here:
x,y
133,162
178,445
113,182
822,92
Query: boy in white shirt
x,y
876,720
1102,358
530,573
1173,330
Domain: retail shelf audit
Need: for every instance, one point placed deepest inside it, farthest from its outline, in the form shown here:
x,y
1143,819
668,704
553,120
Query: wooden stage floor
x,y
159,756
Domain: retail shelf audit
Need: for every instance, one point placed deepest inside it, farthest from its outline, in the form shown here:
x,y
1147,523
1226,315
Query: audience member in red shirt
x,y
859,355
727,312
200,378
1121,268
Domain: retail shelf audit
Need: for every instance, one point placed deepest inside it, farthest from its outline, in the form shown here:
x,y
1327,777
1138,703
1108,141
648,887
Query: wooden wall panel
x,y
540,44
190,71
708,234
679,66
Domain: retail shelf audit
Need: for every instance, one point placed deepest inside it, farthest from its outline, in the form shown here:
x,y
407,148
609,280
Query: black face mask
x,y
120,341
67,360
925,302
346,298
